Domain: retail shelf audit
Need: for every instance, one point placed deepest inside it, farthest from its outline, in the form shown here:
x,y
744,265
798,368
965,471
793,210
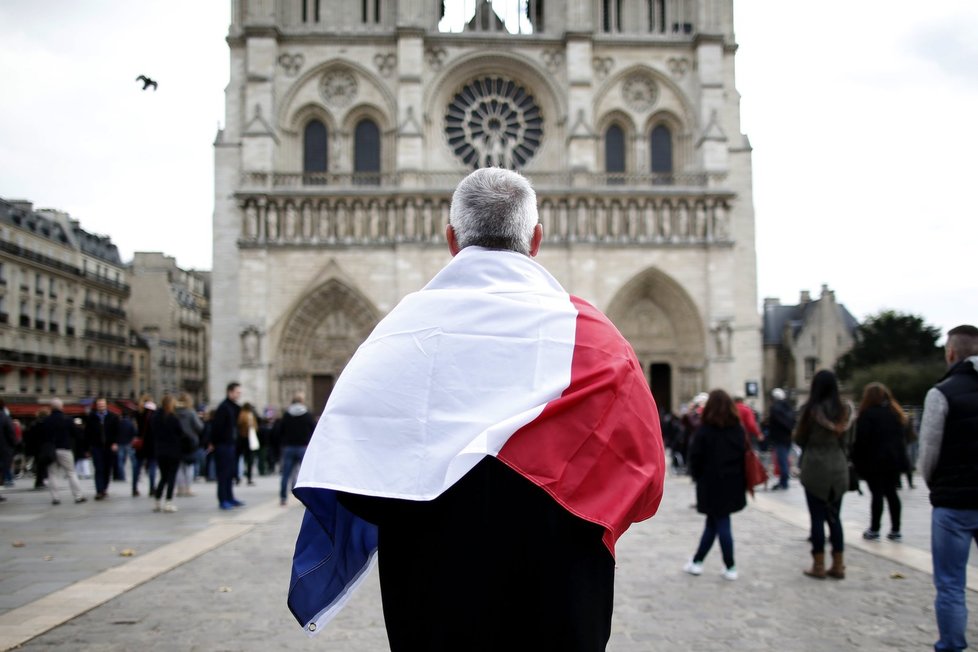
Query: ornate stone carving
x,y
552,59
639,91
291,63
386,63
338,87
250,345
602,66
435,56
493,121
678,66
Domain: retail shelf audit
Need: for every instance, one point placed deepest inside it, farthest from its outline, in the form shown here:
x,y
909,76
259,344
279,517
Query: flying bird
x,y
147,82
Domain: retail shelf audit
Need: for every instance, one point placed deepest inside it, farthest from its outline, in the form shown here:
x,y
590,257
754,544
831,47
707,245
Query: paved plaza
x,y
202,579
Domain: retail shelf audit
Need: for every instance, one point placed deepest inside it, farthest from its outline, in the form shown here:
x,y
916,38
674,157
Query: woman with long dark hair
x,y
167,435
823,433
880,455
716,463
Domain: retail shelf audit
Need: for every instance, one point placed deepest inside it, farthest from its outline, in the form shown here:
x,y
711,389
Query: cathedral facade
x,y
349,123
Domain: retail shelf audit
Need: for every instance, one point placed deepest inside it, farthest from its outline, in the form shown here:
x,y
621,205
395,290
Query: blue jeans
x,y
291,459
822,512
717,527
784,464
125,453
951,534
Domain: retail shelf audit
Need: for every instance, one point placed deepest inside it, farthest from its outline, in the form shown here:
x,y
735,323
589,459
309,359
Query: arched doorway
x,y
319,338
658,317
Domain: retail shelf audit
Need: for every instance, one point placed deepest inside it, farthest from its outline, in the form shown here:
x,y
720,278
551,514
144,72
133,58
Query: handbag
x,y
253,440
754,471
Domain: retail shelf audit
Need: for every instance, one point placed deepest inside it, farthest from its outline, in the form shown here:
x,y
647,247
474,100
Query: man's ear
x,y
536,240
452,242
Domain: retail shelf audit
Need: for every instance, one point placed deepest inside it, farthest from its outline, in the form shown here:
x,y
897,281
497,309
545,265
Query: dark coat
x,y
101,432
224,425
780,423
880,448
167,433
716,462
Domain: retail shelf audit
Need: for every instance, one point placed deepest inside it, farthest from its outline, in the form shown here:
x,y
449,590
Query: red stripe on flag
x,y
597,449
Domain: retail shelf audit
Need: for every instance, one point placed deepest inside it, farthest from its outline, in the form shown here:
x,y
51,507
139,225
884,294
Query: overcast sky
x,y
862,116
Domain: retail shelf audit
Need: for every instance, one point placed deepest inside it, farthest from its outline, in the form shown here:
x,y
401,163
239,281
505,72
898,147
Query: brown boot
x,y
818,566
838,569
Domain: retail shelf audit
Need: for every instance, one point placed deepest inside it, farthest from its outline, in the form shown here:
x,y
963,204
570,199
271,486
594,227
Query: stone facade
x,y
348,124
170,310
63,309
802,339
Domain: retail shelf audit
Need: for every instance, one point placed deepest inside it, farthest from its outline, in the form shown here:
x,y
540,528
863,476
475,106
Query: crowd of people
x,y
172,444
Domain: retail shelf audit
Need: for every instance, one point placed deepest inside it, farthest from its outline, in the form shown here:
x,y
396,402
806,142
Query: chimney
x,y
806,297
771,302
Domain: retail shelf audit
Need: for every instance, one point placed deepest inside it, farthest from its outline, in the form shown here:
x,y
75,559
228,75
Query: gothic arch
x,y
321,334
297,93
664,326
688,118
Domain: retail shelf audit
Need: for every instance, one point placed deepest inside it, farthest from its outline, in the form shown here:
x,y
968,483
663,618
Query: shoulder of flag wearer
x,y
597,449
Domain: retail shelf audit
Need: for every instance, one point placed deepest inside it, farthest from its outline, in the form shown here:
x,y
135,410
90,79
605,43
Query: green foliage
x,y
891,338
908,381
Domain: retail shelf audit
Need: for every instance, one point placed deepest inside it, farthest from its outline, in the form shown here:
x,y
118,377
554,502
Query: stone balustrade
x,y
675,219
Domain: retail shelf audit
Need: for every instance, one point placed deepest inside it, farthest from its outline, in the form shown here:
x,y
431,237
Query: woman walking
x,y
247,439
190,443
716,463
823,433
880,455
167,435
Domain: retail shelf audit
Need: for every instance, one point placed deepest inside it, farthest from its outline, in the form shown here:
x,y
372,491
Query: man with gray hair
x,y
489,441
949,464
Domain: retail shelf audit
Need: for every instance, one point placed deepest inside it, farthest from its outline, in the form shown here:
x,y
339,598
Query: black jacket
x,y
58,430
954,482
780,422
880,449
296,426
224,425
101,432
167,433
716,462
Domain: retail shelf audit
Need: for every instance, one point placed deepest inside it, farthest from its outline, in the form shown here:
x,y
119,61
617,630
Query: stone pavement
x,y
213,580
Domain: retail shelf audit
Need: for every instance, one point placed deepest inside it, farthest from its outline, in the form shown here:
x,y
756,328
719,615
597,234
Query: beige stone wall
x,y
300,264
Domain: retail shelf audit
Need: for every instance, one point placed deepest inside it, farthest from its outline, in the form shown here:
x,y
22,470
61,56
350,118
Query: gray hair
x,y
57,404
496,209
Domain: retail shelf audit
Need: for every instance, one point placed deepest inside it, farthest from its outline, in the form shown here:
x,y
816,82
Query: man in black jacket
x,y
780,423
102,435
949,465
7,444
295,431
55,448
223,440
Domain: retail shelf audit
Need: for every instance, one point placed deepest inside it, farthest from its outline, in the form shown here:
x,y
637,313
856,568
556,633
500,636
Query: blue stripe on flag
x,y
332,553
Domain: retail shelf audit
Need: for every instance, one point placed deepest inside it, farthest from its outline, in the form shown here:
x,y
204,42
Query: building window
x,y
68,388
657,16
810,364
38,284
315,156
3,275
661,146
25,315
310,10
494,122
51,290
3,309
611,15
69,323
366,153
614,154
370,11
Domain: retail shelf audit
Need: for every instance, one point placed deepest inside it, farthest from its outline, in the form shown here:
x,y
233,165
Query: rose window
x,y
494,122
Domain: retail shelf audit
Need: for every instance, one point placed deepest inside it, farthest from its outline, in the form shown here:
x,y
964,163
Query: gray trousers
x,y
64,460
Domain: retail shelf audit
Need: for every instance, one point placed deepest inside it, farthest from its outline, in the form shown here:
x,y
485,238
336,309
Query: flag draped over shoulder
x,y
492,357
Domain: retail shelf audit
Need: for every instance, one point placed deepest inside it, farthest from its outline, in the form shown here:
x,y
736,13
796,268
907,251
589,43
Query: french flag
x,y
492,357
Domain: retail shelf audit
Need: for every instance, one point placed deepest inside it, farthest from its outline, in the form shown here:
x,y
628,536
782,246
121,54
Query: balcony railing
x,y
105,337
105,309
332,183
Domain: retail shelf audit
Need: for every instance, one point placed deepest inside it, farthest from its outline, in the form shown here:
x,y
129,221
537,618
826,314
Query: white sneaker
x,y
169,507
693,567
730,573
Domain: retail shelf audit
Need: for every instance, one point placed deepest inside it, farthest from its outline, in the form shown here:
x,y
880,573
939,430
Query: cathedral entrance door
x,y
322,386
660,381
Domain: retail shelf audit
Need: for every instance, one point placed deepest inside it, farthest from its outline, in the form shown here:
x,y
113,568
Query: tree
x,y
899,350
